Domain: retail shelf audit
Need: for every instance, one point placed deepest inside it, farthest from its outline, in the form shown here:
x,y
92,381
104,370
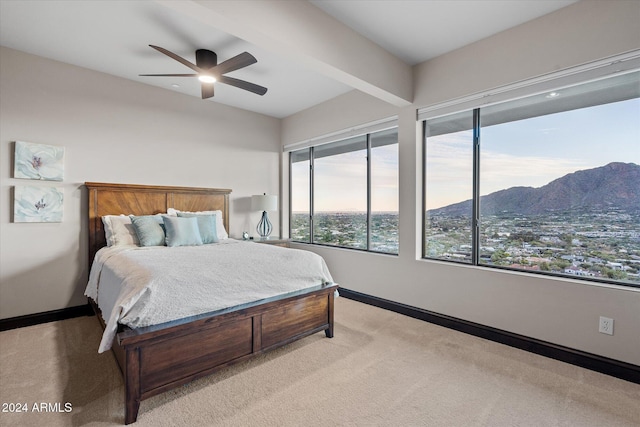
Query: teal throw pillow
x,y
206,225
182,231
149,230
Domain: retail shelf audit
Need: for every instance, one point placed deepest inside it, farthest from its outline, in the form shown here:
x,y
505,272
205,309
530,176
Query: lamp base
x,y
264,226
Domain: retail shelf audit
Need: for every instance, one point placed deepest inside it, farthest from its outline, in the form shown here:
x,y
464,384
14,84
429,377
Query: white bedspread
x,y
143,286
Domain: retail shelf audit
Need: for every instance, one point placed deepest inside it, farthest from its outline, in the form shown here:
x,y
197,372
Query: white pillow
x,y
222,233
119,230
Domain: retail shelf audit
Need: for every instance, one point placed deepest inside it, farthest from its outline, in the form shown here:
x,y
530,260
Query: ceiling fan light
x,y
207,79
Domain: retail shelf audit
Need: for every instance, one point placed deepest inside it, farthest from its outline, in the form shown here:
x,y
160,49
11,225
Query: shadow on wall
x,y
36,287
241,208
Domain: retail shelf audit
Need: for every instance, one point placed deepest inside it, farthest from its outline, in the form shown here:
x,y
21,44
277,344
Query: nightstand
x,y
274,241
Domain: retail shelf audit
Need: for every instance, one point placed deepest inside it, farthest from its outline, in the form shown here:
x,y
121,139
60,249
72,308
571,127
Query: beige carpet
x,y
380,369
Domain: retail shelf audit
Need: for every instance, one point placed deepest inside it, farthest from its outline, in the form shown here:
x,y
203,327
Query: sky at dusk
x,y
532,152
529,152
341,182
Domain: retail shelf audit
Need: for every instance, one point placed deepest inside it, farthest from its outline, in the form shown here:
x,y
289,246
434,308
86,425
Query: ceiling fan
x,y
209,71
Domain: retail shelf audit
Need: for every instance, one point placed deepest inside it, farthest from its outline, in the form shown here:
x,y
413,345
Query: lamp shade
x,y
264,203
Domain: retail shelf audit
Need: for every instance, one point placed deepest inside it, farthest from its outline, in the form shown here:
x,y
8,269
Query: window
x,y
300,202
553,186
449,187
384,192
345,193
340,193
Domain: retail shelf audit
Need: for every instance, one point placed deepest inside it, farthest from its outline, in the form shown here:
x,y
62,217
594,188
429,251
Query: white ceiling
x,y
418,30
113,37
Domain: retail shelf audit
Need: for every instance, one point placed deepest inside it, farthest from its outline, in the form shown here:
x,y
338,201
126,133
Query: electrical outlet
x,y
606,325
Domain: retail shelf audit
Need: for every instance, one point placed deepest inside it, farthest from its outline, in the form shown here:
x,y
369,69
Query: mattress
x,y
144,286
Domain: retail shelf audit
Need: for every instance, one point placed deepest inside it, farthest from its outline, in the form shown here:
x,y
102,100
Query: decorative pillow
x,y
149,229
206,225
182,231
220,230
119,230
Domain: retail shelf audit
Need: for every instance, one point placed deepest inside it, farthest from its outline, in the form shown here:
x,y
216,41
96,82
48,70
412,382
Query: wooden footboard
x,y
158,358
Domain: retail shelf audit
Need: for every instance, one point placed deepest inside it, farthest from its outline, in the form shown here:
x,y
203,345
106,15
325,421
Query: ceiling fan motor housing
x,y
206,59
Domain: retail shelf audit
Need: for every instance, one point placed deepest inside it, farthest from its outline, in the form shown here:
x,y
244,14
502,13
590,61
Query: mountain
x,y
613,185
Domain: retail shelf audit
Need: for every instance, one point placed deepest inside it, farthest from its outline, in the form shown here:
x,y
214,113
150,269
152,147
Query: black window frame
x,y
475,210
312,241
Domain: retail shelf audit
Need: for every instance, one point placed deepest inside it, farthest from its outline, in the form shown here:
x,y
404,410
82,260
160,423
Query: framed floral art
x,y
38,161
37,204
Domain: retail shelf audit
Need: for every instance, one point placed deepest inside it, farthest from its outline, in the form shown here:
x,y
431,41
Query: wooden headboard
x,y
129,199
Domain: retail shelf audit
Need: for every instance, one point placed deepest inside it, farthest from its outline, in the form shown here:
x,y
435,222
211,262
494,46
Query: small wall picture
x,y
38,161
37,204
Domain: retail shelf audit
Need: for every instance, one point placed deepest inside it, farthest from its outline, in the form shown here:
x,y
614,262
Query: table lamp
x,y
264,203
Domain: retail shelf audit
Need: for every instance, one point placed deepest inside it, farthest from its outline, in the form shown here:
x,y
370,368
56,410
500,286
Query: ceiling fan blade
x,y
239,61
169,75
251,87
180,59
207,90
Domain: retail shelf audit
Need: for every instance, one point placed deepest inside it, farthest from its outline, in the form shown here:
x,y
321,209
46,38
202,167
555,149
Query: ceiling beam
x,y
301,32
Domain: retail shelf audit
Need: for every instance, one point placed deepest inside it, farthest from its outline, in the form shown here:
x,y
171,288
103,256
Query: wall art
x,y
38,161
37,204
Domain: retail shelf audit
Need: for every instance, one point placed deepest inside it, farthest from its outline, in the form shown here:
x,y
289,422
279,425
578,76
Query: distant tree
x,y
560,264
566,239
498,256
614,274
526,236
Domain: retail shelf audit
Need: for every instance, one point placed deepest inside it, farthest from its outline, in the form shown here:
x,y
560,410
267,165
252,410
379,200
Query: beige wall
x,y
113,130
560,311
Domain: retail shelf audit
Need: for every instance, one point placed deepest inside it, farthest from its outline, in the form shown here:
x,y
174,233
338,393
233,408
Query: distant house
x,y
577,271
615,265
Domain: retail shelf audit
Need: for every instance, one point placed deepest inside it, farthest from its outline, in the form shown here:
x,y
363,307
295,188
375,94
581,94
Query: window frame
x,y
475,219
311,149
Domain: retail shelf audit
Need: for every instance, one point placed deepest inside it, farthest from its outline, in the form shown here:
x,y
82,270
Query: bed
x,y
154,359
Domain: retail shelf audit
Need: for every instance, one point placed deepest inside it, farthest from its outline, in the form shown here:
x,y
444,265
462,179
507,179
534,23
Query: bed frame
x,y
161,357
